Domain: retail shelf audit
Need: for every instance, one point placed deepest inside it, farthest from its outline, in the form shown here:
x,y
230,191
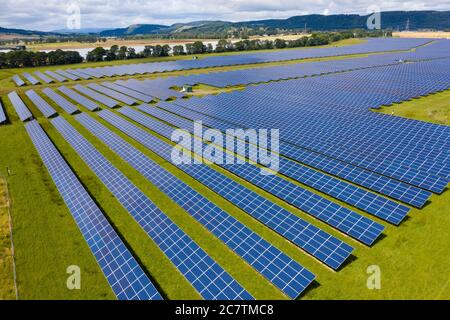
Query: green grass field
x,y
413,258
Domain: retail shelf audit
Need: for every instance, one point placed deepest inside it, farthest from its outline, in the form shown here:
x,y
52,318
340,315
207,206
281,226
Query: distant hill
x,y
389,20
439,20
134,30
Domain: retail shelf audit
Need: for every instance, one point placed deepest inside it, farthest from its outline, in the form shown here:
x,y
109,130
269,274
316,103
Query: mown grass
x,y
433,108
413,257
7,291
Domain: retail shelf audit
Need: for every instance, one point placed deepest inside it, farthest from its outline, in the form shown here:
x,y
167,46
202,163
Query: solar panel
x,y
126,278
19,82
42,105
129,92
341,218
69,107
379,206
43,77
85,102
371,180
210,280
30,78
114,94
281,270
2,114
20,107
56,76
67,75
97,96
318,243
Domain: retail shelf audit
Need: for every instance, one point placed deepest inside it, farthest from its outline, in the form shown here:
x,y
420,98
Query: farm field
x,y
412,257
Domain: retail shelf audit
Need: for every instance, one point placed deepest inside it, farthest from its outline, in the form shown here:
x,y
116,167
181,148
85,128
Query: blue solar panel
x,y
85,102
381,207
126,278
18,81
20,107
372,45
43,77
42,105
281,270
343,219
318,243
210,280
67,75
129,92
114,94
97,96
30,78
60,101
2,114
56,76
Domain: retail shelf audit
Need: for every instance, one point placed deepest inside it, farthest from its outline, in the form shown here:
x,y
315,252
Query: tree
x,y
96,55
178,50
198,47
122,54
131,53
280,43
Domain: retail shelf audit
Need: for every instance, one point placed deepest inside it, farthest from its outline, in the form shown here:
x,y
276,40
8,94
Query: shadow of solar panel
x,y
281,270
205,275
318,243
126,278
20,107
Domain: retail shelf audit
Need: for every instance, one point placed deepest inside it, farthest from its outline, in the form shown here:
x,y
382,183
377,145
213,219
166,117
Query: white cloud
x,y
51,14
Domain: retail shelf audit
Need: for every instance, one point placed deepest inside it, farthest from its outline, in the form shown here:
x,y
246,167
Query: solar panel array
x,y
69,107
352,134
372,45
124,274
85,102
369,202
343,219
373,181
67,75
281,270
20,107
313,240
41,104
205,275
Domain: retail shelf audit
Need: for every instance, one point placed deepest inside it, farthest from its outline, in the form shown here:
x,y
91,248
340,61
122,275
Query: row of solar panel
x,y
373,45
126,277
286,283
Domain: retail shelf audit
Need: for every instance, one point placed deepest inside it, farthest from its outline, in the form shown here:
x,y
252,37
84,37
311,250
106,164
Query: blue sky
x,y
52,14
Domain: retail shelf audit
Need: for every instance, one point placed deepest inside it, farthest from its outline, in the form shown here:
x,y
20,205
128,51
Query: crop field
x,y
361,110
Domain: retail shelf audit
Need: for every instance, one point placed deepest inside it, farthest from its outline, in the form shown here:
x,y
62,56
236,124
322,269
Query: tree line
x,y
21,59
224,45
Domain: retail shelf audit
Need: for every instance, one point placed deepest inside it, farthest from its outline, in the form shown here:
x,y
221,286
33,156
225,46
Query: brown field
x,y
424,34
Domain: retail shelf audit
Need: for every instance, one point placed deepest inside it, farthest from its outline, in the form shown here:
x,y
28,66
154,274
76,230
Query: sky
x,y
51,15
